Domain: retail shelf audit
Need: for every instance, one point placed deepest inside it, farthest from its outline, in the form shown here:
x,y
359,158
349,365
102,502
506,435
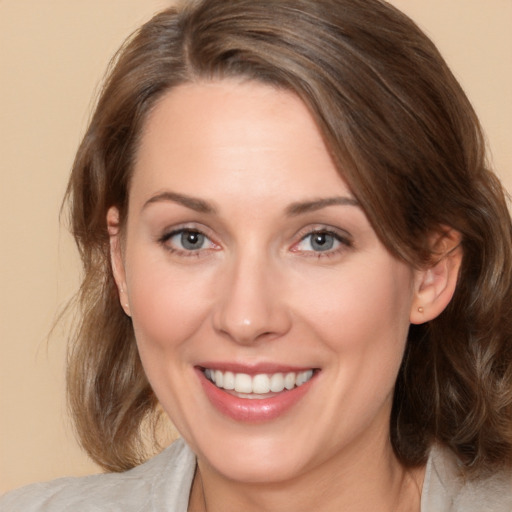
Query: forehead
x,y
233,138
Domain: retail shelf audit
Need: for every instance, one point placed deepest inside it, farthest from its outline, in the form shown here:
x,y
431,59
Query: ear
x,y
435,285
116,257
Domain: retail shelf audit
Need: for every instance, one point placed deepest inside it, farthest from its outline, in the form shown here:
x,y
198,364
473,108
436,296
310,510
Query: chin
x,y
255,459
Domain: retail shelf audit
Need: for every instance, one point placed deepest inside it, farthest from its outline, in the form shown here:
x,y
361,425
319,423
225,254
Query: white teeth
x,y
243,383
277,382
289,381
229,380
259,384
303,377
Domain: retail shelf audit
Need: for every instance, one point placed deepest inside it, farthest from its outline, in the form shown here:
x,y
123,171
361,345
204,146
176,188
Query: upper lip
x,y
254,368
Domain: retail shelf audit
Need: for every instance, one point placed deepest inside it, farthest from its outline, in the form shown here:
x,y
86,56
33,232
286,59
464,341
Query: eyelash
x,y
165,241
343,241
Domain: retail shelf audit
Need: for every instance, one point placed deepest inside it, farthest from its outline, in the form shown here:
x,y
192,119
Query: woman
x,y
292,244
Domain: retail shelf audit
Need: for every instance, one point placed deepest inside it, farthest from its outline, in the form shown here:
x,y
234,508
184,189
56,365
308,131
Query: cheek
x,y
362,317
167,305
374,296
363,321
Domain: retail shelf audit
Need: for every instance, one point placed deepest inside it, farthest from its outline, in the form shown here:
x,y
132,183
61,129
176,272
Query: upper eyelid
x,y
173,232
340,239
338,232
170,231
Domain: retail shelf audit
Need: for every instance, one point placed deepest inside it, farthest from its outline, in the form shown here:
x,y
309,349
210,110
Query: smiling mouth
x,y
259,386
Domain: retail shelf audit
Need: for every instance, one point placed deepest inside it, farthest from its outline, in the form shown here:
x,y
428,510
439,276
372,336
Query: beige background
x,y
52,56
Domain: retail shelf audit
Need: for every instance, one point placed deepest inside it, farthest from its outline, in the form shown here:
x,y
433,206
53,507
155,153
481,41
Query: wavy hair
x,y
408,143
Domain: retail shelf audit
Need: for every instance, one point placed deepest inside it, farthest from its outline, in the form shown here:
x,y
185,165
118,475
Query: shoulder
x,y
446,490
162,483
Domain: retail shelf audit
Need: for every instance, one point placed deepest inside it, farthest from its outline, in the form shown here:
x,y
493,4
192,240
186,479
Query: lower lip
x,y
253,410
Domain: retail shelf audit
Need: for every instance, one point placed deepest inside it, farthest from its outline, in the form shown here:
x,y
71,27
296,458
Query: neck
x,y
354,481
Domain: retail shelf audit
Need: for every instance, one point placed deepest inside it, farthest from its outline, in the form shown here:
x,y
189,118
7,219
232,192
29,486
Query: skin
x,y
258,291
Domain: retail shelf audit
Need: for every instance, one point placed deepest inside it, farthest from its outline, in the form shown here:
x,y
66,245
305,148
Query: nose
x,y
252,303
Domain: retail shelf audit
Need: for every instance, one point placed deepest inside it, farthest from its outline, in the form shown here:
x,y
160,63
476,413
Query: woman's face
x,y
247,260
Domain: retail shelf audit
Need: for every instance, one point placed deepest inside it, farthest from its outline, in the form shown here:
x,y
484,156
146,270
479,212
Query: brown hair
x,y
410,147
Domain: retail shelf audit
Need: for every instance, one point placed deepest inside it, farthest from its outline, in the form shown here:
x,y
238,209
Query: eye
x,y
187,241
323,242
318,242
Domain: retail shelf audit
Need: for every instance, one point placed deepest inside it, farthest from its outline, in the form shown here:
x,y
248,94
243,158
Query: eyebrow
x,y
194,203
302,207
294,209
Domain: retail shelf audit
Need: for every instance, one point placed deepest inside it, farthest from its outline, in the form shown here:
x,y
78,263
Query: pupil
x,y
322,242
192,240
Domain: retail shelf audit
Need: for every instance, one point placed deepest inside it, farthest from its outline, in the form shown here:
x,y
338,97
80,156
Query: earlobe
x,y
435,284
116,257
